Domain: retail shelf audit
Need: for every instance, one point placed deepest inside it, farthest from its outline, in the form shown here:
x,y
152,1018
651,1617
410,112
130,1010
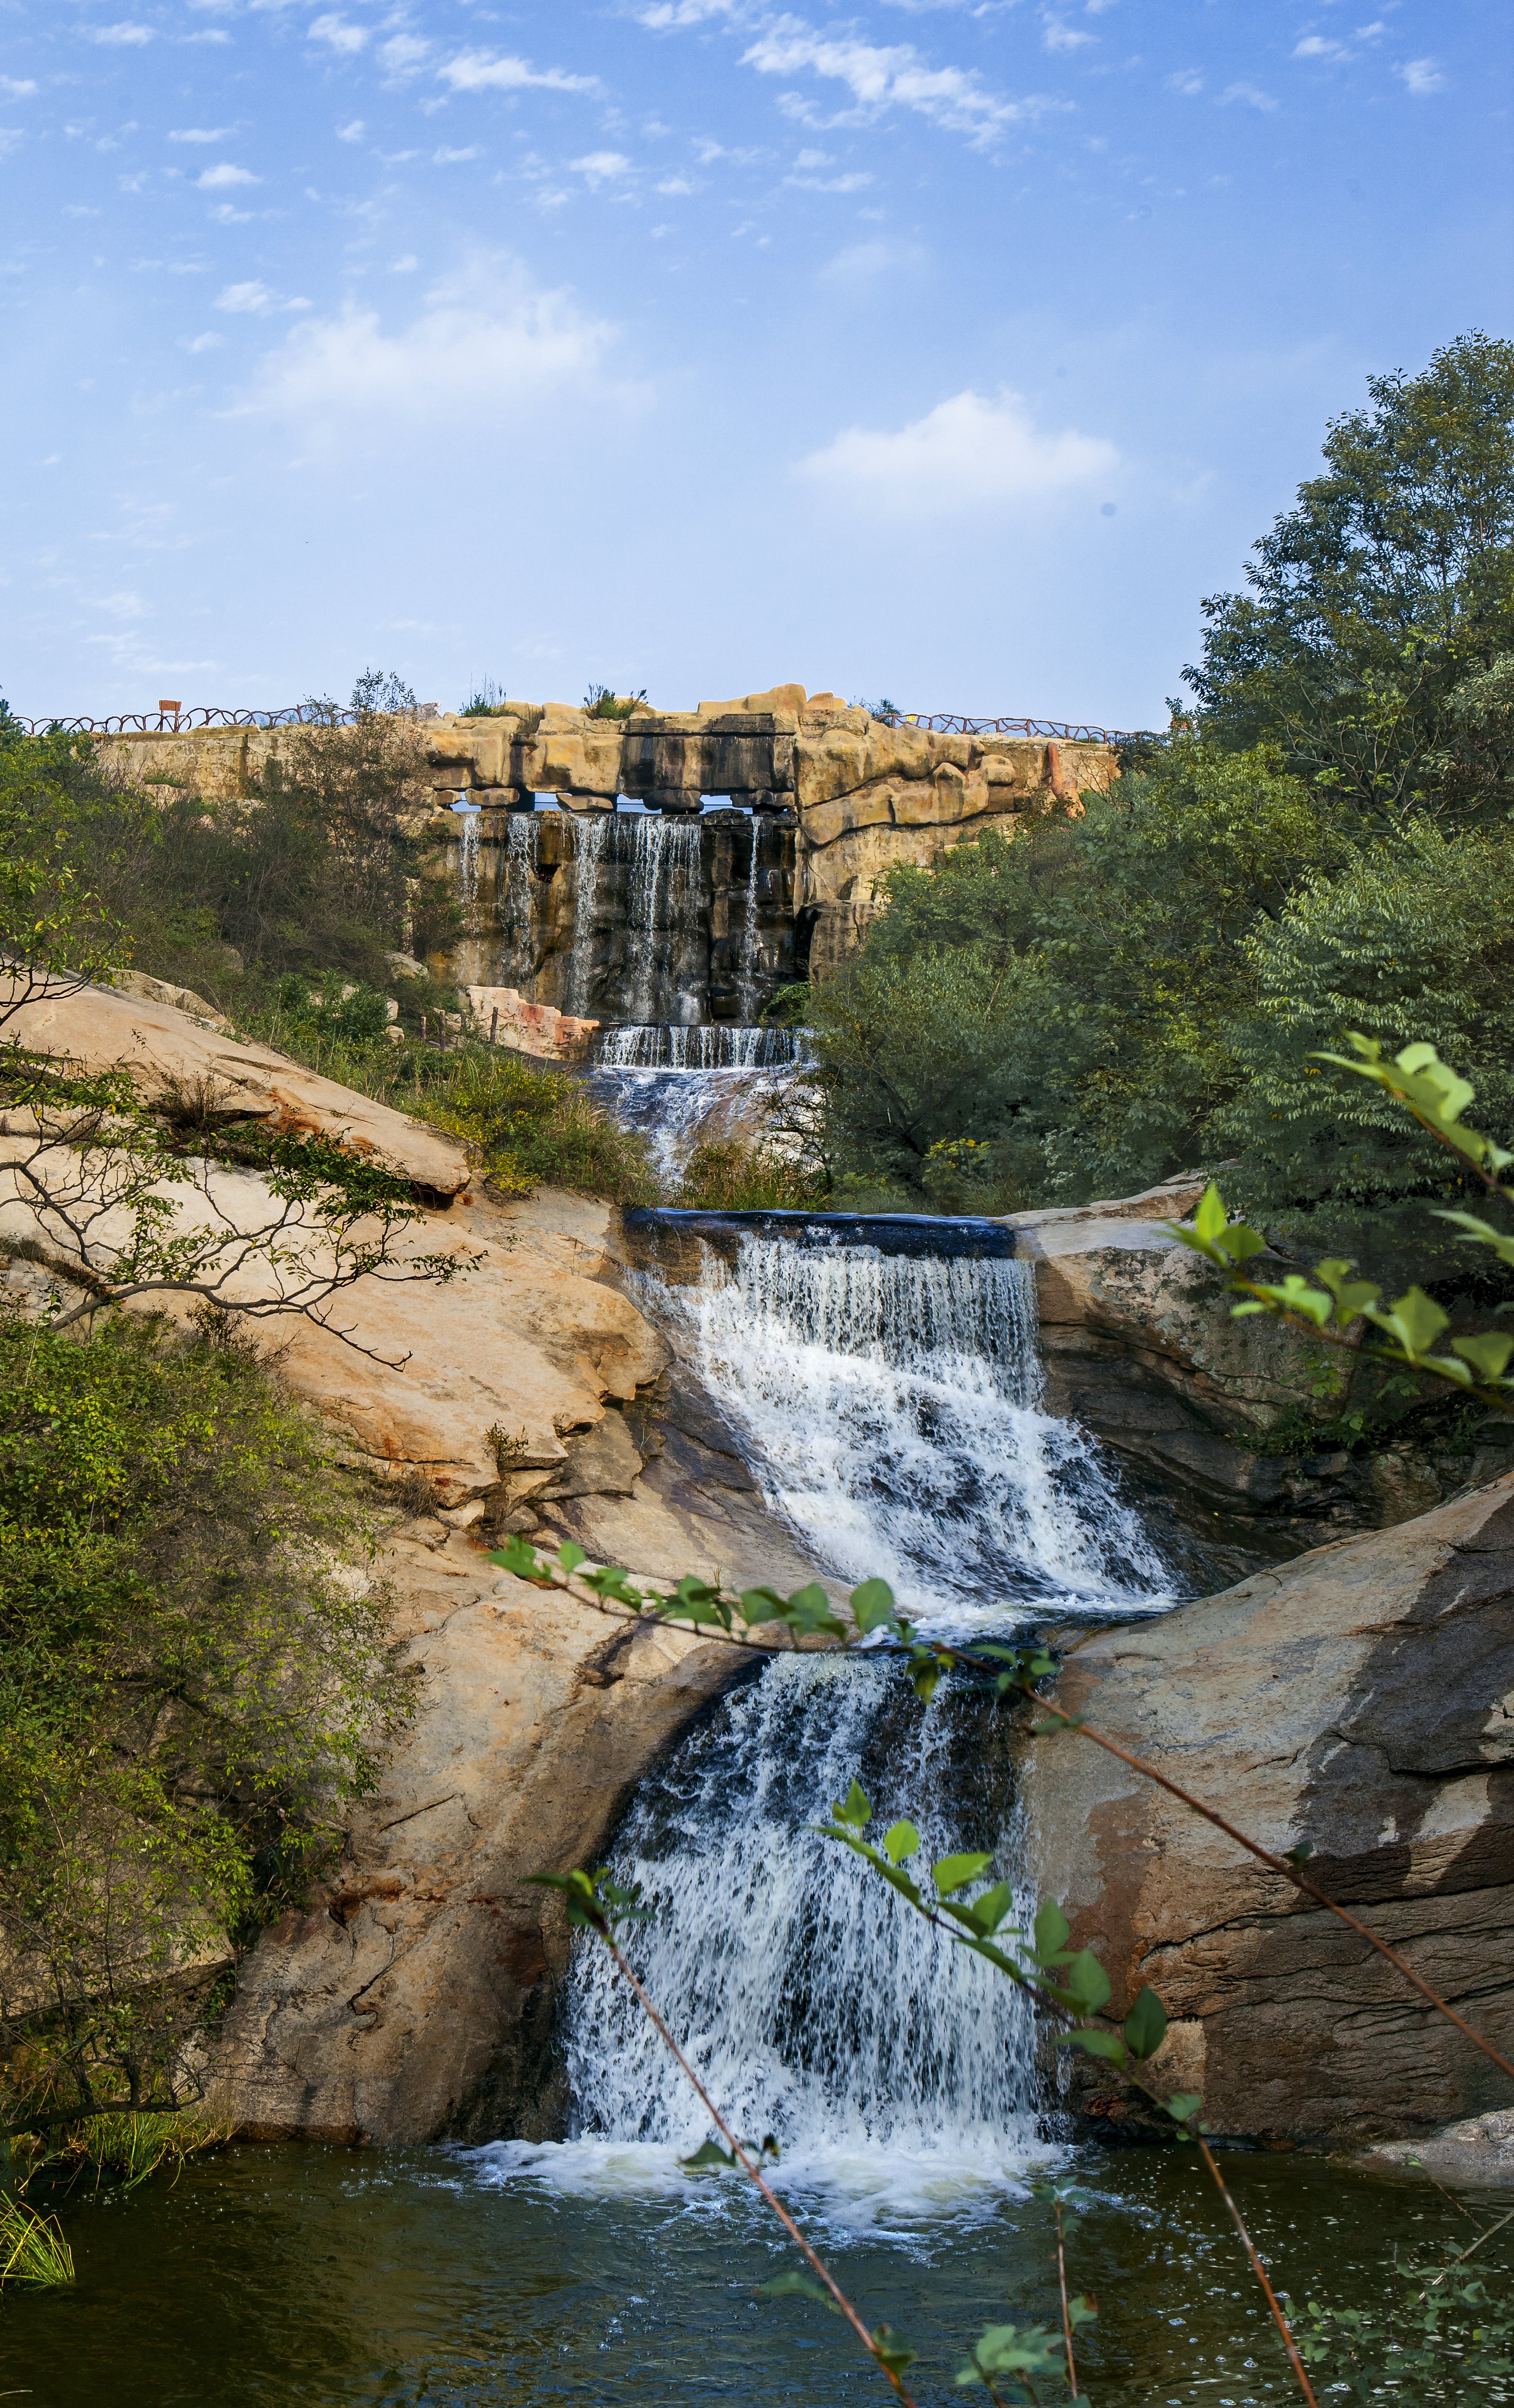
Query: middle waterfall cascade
x,y
686,1086
467,867
889,1406
587,848
517,890
665,905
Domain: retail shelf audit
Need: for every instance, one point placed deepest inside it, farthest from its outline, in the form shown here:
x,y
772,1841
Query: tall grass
x,y
32,2248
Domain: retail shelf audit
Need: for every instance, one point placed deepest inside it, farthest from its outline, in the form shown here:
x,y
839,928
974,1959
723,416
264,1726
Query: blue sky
x,y
946,349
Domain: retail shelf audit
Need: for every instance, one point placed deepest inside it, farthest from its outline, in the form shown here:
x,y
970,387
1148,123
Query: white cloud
x,y
223,214
855,182
246,300
879,79
965,454
220,178
122,37
1249,94
445,158
403,51
675,186
202,342
488,342
344,39
202,134
1316,46
600,168
1370,32
481,71
863,264
353,133
1423,77
1188,81
1058,36
16,87
405,266
662,16
80,209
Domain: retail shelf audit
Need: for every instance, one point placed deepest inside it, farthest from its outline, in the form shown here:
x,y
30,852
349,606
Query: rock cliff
x,y
847,798
1360,1699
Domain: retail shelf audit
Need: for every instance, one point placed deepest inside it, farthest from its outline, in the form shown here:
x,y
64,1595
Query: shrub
x,y
532,1127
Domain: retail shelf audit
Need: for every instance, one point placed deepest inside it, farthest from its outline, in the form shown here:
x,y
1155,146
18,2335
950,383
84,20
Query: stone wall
x,y
842,798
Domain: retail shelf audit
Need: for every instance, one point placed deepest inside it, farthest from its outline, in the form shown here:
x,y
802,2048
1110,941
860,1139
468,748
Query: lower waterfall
x,y
888,1403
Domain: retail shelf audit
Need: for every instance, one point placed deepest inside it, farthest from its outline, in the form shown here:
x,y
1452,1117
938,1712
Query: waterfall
x,y
747,962
707,1046
467,867
890,1404
664,907
588,847
518,897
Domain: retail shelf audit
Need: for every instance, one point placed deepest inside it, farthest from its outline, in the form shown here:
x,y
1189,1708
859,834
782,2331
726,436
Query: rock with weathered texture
x,y
1139,1345
101,1028
1360,1699
502,1014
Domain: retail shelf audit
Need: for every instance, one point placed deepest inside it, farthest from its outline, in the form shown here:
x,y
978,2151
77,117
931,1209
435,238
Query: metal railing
x,y
297,714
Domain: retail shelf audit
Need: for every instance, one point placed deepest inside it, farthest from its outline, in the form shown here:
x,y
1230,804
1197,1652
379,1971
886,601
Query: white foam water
x,y
708,1045
893,2070
890,1404
664,914
588,850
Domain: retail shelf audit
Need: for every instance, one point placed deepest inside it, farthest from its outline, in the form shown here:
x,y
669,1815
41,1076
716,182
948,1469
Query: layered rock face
x,y
854,796
1360,1699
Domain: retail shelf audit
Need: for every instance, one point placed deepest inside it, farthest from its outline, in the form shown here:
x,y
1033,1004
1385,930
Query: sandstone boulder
x,y
1360,1699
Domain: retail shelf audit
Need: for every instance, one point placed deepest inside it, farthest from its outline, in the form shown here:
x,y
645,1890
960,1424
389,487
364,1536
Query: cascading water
x,y
664,908
889,1402
747,964
587,848
685,1086
518,897
467,867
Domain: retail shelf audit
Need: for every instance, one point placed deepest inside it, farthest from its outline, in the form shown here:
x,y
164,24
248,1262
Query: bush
x,y
529,1127
190,1688
728,1176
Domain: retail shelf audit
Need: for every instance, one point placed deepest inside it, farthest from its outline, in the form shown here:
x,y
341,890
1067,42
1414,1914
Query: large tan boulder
x,y
1360,1699
101,1028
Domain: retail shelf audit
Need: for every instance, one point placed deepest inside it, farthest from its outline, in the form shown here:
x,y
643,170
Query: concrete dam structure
x,y
669,911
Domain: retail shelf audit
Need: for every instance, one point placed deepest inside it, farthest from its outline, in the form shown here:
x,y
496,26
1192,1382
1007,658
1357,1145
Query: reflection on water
x,y
283,2275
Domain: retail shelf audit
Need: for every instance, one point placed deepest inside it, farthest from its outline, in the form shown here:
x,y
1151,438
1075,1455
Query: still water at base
x,y
354,2280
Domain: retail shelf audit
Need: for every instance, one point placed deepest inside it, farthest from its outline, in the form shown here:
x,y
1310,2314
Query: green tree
x,y
1383,600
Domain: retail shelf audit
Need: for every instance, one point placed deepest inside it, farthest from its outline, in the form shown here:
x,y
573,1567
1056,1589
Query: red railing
x,y
176,722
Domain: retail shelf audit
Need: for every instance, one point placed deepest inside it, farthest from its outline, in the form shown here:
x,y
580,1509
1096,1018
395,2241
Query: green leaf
x,y
1488,1354
524,1561
570,1555
1210,1217
900,1840
955,1873
1052,1932
1352,1296
1183,2105
761,1605
1081,2311
892,2350
1416,1321
708,2155
1086,1982
1477,1232
854,1808
872,1603
1008,2349
796,2286
1145,2026
987,1914
1095,2043
925,1676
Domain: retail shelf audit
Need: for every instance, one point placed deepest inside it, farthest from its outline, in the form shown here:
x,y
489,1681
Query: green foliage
x,y
1380,603
190,1688
33,2250
730,1175
1444,2338
531,1127
603,702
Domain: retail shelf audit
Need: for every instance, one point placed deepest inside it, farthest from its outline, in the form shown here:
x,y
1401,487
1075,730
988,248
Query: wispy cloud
x,y
487,341
254,299
862,265
201,132
966,452
353,133
1318,45
122,37
16,87
880,78
1422,76
599,167
1188,81
1056,36
202,342
482,71
663,16
447,158
344,39
1249,94
220,177
402,52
